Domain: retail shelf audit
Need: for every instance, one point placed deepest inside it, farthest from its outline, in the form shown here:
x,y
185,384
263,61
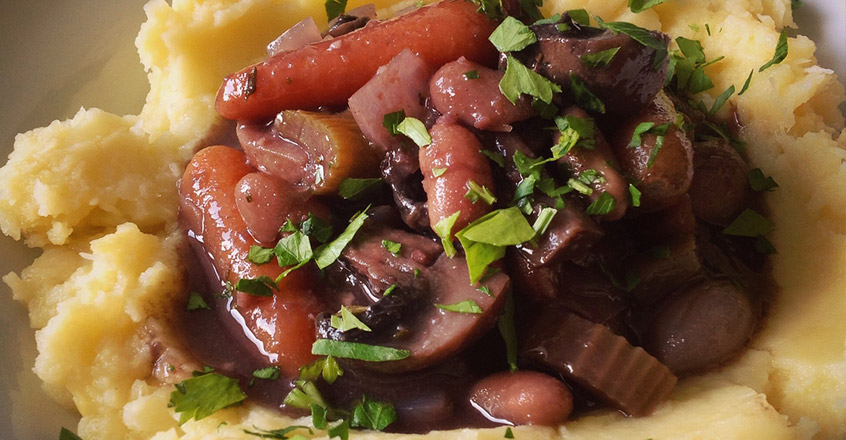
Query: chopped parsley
x,y
519,80
391,289
293,250
371,414
584,97
303,395
599,59
66,434
203,395
602,205
392,120
444,230
415,130
468,306
260,255
718,103
505,324
347,321
329,252
486,290
471,74
749,224
635,193
261,286
438,172
780,52
334,8
356,350
352,188
760,182
279,434
579,16
746,83
485,239
196,302
326,367
640,35
543,220
496,158
392,246
512,35
476,192
575,131
638,6
268,373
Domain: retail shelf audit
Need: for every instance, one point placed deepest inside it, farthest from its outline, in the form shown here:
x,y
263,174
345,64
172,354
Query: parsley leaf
x,y
392,246
261,286
438,172
584,97
469,306
351,188
341,430
415,130
512,35
640,35
347,321
260,255
65,434
635,193
316,228
508,433
356,350
196,302
749,224
495,157
391,120
444,230
491,8
519,80
303,395
334,8
780,52
391,288
329,252
746,84
575,131
638,6
268,373
279,434
485,239
579,16
599,59
203,395
759,182
326,367
293,249
721,100
471,74
543,220
371,414
505,324
602,205
476,192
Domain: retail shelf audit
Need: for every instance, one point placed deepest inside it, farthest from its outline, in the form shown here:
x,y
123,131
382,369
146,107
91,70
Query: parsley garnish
x,y
574,131
721,100
471,74
347,321
444,230
261,286
196,302
602,205
279,434
505,324
746,84
329,252
638,6
438,172
65,434
356,350
268,373
392,246
519,80
303,395
469,306
780,52
334,8
759,182
512,35
640,35
390,289
326,367
635,193
544,219
415,130
485,239
579,16
476,192
391,120
203,395
496,158
599,59
351,188
491,8
749,224
371,414
316,228
584,97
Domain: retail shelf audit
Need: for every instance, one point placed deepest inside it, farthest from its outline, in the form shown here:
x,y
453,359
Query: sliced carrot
x,y
329,72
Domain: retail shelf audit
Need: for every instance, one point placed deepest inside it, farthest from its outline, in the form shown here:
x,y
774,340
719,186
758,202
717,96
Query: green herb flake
x,y
574,131
639,131
66,434
356,350
503,227
551,20
341,430
347,321
721,100
638,6
602,205
780,52
746,83
392,246
653,155
279,434
303,395
334,8
318,416
512,36
326,367
203,395
764,246
415,130
355,189
471,74
506,327
491,8
267,373
444,230
640,35
196,302
389,290
584,97
760,182
692,49
749,224
543,220
708,29
496,158
392,120
469,306
329,252
579,16
293,249
260,255
476,192
261,286
519,80
599,60
486,290
635,193
796,4
371,414
693,27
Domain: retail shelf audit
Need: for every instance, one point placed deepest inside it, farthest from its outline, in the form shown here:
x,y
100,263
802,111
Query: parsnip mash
x,y
110,263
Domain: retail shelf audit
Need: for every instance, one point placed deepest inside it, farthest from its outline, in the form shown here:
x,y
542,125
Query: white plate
x,y
58,56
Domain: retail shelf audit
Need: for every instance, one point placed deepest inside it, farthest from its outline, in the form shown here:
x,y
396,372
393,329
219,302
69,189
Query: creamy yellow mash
x,y
110,244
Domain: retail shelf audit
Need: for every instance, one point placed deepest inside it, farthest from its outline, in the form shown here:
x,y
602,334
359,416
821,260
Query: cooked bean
x,y
523,398
702,326
662,173
719,190
456,153
476,100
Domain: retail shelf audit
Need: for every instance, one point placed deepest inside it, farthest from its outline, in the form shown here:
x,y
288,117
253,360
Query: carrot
x,y
207,193
329,72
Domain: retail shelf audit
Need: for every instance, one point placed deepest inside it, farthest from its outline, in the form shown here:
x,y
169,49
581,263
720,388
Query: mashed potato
x,y
110,247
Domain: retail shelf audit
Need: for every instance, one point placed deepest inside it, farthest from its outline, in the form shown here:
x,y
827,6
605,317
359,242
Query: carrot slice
x,y
329,72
